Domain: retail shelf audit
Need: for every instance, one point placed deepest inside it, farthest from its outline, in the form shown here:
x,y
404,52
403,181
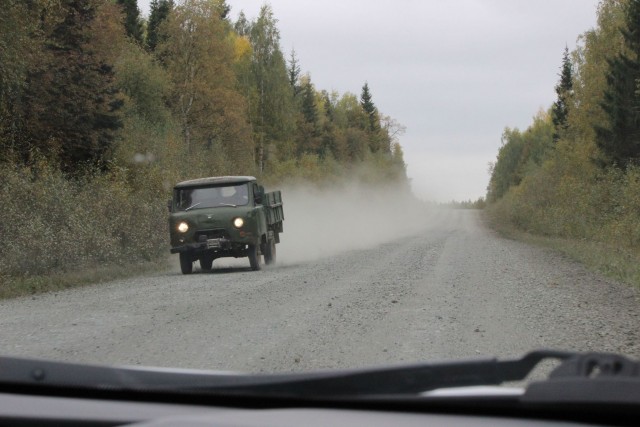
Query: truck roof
x,y
215,180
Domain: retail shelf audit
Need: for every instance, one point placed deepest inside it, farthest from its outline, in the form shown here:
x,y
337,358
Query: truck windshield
x,y
211,197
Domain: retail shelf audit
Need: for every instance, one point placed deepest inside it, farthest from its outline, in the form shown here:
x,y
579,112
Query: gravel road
x,y
450,290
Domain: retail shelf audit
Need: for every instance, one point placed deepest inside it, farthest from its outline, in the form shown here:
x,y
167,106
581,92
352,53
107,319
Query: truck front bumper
x,y
209,244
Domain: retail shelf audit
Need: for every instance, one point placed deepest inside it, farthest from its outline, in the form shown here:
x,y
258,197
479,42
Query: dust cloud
x,y
320,223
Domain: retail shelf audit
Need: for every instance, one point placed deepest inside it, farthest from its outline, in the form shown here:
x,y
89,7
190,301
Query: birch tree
x,y
199,56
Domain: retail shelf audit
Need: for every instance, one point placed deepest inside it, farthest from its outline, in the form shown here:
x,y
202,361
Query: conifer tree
x,y
223,9
132,22
20,42
369,108
71,105
328,130
620,141
564,90
309,104
159,11
372,122
294,73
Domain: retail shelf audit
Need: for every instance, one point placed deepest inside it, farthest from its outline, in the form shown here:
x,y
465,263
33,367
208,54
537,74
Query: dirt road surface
x,y
453,289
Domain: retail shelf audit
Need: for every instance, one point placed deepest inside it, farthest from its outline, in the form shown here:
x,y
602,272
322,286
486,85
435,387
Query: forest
x,y
103,110
573,176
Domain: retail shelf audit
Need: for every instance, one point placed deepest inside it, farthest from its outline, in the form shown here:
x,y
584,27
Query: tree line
x,y
575,171
102,112
91,84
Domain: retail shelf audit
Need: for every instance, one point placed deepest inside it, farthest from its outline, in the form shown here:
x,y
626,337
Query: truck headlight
x,y
183,227
238,222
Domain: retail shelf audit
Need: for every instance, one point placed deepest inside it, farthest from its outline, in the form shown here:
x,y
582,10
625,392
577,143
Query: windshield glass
x,y
288,185
211,197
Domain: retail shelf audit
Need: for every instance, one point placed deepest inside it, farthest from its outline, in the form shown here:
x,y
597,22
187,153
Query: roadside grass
x,y
618,263
20,286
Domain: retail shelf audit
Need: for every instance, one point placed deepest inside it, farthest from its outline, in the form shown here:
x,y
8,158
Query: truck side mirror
x,y
169,203
257,194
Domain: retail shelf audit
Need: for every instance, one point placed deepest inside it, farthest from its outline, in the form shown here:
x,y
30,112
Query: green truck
x,y
227,216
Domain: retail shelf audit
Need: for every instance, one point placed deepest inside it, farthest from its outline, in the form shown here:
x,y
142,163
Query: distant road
x,y
453,289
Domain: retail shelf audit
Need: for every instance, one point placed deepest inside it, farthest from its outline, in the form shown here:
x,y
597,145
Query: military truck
x,y
227,216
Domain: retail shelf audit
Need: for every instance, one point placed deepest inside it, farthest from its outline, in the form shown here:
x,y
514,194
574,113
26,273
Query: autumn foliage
x,y
96,102
575,173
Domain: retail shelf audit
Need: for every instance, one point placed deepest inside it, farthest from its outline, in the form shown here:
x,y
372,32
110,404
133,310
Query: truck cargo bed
x,y
274,210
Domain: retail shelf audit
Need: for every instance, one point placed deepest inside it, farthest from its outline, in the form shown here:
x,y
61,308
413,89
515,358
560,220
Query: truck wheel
x,y
186,263
270,253
254,257
206,261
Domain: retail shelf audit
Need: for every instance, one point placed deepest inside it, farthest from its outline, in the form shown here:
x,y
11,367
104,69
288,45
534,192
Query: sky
x,y
454,73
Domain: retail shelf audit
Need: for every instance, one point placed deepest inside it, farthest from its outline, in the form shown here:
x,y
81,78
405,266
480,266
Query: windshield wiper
x,y
193,206
571,379
589,378
397,380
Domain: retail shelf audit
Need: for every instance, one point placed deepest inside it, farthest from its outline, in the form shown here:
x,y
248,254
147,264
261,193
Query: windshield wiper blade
x,y
193,206
573,379
397,380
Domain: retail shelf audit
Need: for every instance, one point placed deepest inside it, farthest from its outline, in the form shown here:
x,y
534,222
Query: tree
x,y
294,73
328,131
223,9
564,90
242,25
595,49
520,154
393,130
199,58
308,130
619,142
309,110
377,139
328,104
159,11
272,118
504,172
145,83
20,42
18,23
370,109
132,22
71,106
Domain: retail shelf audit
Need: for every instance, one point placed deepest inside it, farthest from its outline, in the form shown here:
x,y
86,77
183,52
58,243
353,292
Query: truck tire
x,y
186,263
270,253
254,257
206,262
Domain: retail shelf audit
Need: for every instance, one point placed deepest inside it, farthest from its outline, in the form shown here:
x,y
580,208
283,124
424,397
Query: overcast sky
x,y
455,73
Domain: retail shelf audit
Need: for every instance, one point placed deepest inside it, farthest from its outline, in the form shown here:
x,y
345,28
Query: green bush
x,y
52,224
568,198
